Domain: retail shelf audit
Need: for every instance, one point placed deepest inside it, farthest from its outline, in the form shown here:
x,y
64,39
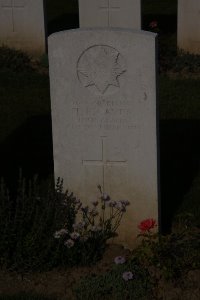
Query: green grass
x,y
25,296
191,203
179,98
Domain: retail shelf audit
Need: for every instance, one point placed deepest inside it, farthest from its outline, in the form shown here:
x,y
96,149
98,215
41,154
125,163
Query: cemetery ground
x,y
26,142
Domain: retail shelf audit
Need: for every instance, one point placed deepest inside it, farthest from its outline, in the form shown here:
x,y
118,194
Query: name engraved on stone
x,y
13,6
99,68
103,114
103,162
109,6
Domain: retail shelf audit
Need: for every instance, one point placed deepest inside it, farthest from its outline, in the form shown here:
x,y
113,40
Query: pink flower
x,y
69,243
74,235
127,275
105,197
60,233
147,224
119,260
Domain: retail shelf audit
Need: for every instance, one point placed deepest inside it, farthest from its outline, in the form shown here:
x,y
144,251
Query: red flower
x,y
147,224
153,24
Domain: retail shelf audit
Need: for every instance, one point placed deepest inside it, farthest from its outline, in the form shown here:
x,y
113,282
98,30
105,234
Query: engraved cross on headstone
x,y
109,6
103,162
13,5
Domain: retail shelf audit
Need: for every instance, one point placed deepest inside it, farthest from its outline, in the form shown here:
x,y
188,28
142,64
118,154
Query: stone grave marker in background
x,y
188,31
103,99
110,13
22,25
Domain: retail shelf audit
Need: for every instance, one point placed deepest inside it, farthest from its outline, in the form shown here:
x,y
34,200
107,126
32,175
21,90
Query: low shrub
x,y
158,258
170,256
25,296
14,60
86,239
129,280
29,222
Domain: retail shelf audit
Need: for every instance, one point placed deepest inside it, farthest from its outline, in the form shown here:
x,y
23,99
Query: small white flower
x,y
127,275
78,226
125,202
69,243
120,206
105,197
112,203
119,260
74,235
60,233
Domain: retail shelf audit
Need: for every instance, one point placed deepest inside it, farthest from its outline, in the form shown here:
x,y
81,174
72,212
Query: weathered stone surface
x,y
22,25
110,13
188,30
103,97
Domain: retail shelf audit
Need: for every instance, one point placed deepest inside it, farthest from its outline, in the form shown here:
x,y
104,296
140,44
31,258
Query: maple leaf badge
x,y
100,66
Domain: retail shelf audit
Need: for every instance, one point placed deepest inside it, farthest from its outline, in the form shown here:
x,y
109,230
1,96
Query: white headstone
x,y
110,13
103,97
22,25
188,30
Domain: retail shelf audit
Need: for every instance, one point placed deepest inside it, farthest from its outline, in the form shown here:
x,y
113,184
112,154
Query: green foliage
x,y
14,60
157,259
25,296
191,203
177,62
86,238
112,285
27,224
186,62
44,61
179,98
170,256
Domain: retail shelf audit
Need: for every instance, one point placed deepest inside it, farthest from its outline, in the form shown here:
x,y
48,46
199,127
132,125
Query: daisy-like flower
x,y
60,233
78,226
120,207
69,243
74,235
119,260
105,197
127,276
112,203
125,202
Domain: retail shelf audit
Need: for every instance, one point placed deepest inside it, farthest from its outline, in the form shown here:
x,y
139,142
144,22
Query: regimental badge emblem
x,y
99,68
